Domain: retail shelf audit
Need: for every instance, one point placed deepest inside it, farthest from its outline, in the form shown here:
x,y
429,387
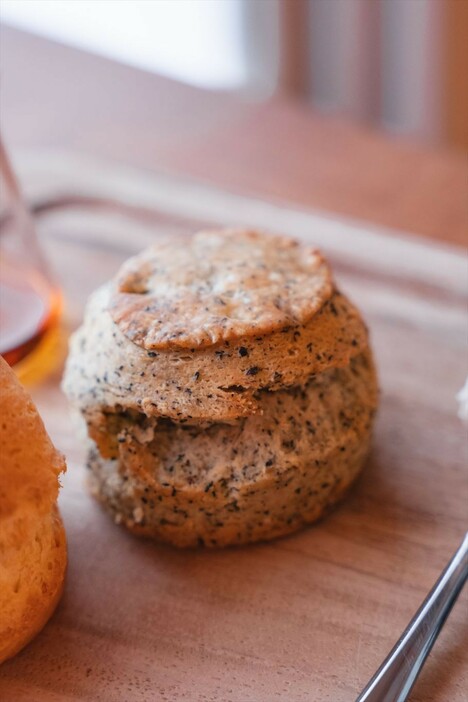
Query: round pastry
x,y
261,477
33,552
228,388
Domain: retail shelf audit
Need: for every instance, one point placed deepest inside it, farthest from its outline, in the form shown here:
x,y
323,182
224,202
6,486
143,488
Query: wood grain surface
x,y
309,617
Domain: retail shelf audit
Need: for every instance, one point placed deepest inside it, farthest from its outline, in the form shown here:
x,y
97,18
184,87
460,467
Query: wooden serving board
x,y
309,617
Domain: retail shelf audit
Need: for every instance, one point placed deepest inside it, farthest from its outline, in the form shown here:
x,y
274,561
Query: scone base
x,y
299,501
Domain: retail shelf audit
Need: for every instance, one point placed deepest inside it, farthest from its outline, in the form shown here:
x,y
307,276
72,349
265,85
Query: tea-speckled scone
x,y
195,349
262,477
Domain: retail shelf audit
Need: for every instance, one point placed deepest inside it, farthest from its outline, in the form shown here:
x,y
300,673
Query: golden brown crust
x,y
33,551
30,464
33,586
222,286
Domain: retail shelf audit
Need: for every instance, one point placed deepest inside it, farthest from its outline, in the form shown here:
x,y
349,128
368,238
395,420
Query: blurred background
x,y
397,65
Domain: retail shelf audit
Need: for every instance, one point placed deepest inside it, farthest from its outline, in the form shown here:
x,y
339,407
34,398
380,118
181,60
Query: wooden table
x,y
310,617
56,96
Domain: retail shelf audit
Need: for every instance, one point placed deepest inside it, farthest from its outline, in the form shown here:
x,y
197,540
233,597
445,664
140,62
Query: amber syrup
x,y
30,310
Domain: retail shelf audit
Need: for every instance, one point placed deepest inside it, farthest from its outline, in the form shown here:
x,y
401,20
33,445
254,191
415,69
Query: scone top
x,y
221,285
192,331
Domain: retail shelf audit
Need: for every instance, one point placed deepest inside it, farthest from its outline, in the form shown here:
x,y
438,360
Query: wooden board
x,y
309,617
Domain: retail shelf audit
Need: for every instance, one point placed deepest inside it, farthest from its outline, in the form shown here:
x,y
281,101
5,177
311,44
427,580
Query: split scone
x,y
228,388
33,552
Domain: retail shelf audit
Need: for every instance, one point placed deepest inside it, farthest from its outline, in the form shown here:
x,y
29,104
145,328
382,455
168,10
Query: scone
x,y
33,552
228,388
